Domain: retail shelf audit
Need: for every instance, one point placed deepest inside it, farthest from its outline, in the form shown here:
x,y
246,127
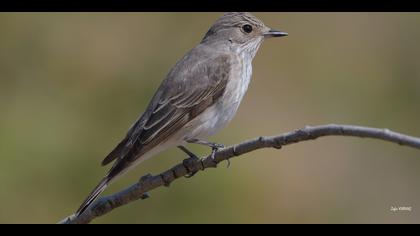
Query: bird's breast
x,y
237,86
225,109
222,112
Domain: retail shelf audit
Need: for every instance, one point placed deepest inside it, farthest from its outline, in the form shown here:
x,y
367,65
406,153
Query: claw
x,y
228,163
187,164
213,153
214,146
213,156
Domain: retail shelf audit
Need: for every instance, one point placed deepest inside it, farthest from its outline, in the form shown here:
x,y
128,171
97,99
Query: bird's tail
x,y
117,170
92,197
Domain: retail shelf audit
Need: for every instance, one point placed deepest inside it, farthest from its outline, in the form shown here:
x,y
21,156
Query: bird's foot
x,y
228,163
214,146
189,162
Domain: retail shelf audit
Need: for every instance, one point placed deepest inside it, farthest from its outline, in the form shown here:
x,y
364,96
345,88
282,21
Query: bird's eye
x,y
247,28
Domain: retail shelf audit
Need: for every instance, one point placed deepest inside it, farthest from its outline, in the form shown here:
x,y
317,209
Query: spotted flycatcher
x,y
199,96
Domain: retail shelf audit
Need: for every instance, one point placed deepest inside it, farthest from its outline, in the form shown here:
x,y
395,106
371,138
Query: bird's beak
x,y
274,33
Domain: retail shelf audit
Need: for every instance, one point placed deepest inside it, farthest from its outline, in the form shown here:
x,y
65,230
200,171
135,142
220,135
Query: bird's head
x,y
241,30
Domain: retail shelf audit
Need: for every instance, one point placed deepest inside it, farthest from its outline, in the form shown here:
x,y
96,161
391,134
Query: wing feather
x,y
189,93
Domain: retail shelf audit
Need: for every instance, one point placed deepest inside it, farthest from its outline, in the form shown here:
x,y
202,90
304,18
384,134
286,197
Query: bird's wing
x,y
189,90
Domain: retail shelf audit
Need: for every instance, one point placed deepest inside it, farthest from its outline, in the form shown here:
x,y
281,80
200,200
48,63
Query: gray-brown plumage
x,y
199,96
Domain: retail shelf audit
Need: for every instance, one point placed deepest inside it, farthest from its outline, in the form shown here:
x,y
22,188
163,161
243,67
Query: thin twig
x,y
149,182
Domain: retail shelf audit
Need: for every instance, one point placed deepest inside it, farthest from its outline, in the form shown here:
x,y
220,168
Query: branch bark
x,y
149,182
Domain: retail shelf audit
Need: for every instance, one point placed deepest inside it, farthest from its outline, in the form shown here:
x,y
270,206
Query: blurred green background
x,y
71,84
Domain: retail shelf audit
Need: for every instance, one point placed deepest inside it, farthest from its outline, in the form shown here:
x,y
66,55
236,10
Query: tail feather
x,y
92,197
117,169
118,151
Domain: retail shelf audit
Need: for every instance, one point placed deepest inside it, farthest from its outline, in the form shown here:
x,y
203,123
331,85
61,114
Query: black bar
x,y
211,5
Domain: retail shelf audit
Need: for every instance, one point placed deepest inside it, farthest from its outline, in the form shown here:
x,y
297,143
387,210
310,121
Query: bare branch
x,y
149,182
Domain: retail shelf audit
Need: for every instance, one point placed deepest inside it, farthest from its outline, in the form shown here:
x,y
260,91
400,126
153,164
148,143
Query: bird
x,y
198,97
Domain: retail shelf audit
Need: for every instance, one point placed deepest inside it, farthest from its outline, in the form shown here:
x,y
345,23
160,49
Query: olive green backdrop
x,y
71,84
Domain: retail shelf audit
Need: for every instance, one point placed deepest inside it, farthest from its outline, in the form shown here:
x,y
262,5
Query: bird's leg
x,y
214,146
187,162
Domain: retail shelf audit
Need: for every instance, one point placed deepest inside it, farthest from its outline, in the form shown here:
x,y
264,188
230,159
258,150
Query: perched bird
x,y
199,96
